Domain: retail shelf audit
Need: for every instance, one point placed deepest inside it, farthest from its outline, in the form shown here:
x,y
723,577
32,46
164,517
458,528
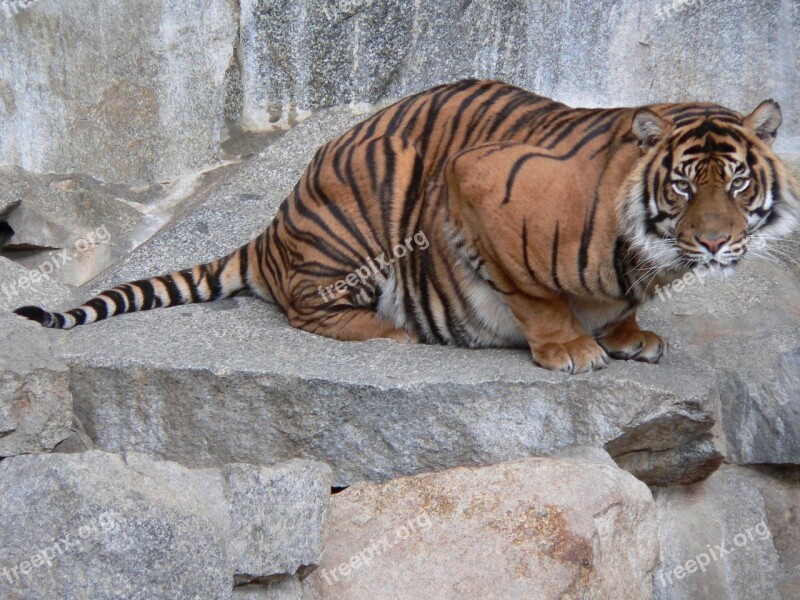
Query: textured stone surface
x,y
131,527
35,401
257,390
780,489
20,286
277,514
748,328
723,524
151,534
126,92
319,52
69,226
558,529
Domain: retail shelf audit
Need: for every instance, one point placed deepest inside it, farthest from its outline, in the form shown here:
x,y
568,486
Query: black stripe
x,y
565,131
620,268
528,266
480,113
148,293
213,279
130,296
512,175
100,307
586,239
117,299
79,315
359,198
174,293
244,259
424,304
526,119
554,265
188,278
412,196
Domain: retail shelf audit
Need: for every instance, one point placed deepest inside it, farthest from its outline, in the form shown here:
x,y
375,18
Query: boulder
x,y
110,526
543,528
718,539
138,100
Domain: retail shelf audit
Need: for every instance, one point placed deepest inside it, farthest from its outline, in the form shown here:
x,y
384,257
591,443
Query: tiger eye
x,y
738,183
682,186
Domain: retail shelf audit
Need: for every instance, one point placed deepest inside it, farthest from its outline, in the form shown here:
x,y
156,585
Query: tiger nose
x,y
713,242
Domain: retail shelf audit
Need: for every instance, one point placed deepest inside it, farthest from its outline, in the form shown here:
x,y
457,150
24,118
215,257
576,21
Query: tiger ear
x,y
765,121
648,128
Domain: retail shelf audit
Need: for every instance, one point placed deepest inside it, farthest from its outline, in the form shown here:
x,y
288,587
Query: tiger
x,y
523,222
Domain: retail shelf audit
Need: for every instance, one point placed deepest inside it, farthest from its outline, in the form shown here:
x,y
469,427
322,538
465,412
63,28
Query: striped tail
x,y
216,280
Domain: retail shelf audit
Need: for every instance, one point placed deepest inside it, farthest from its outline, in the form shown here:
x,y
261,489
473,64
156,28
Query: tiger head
x,y
708,186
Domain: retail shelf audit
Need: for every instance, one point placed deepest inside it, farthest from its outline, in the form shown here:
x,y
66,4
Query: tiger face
x,y
708,186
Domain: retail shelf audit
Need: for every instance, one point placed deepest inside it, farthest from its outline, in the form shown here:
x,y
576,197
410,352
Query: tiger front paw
x,y
580,355
644,346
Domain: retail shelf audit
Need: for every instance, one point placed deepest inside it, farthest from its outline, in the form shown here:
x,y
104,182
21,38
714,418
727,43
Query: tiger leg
x,y
556,337
625,341
351,325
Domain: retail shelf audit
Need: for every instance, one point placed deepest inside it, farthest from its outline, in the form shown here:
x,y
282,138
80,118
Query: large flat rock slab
x,y
232,382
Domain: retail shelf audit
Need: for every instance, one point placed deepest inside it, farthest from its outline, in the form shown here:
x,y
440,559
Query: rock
x,y
780,488
247,364
694,461
35,401
749,330
137,100
315,53
68,226
7,205
20,286
716,540
130,527
278,514
562,528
